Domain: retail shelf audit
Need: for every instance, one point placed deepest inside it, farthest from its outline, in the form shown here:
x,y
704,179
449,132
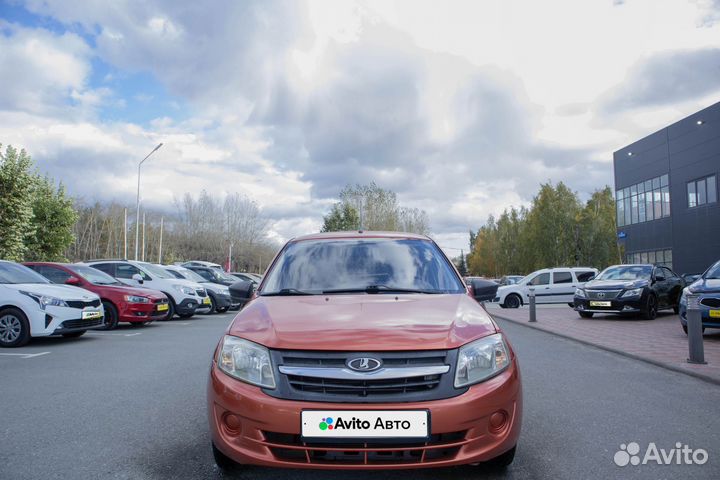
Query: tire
x,y
685,329
171,308
111,316
651,308
571,305
77,334
213,305
586,314
14,328
222,309
502,461
512,301
676,307
224,463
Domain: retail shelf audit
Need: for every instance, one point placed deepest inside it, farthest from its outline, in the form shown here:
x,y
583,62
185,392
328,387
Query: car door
x,y
661,286
562,288
541,284
108,268
675,286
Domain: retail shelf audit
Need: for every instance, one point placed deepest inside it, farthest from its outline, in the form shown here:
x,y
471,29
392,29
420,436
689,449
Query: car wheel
x,y
222,309
503,460
650,310
571,305
224,462
512,301
676,307
111,316
213,304
685,329
74,334
171,308
14,328
586,314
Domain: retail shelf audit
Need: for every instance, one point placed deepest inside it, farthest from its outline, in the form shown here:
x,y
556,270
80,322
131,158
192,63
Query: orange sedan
x,y
363,350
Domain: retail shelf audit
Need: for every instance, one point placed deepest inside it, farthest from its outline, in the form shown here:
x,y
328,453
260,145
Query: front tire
x,y
502,461
14,328
650,310
512,301
111,316
213,305
171,308
586,314
224,463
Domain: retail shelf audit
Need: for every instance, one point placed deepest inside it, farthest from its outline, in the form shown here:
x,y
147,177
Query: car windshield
x,y
626,272
155,271
362,265
225,277
14,273
188,274
93,275
713,272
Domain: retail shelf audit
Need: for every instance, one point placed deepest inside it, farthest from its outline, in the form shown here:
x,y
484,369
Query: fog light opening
x,y
232,424
498,421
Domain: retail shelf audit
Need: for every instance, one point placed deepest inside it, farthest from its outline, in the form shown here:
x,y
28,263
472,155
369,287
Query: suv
x,y
213,275
200,263
138,306
551,285
220,299
30,306
363,350
630,289
185,297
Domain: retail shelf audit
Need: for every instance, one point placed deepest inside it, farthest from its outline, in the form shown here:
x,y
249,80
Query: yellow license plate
x,y
89,315
162,307
715,313
206,301
600,304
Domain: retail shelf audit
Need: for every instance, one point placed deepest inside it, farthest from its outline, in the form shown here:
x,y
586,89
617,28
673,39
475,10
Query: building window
x,y
644,202
701,192
655,257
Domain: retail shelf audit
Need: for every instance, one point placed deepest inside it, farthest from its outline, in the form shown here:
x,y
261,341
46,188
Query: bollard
x,y
694,330
531,296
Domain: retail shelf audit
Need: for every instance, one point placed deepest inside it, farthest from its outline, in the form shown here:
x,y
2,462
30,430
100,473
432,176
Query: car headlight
x,y
45,300
635,292
225,291
480,360
246,361
136,299
184,290
580,293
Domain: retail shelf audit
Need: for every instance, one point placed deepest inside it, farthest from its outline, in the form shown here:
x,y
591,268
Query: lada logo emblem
x,y
364,364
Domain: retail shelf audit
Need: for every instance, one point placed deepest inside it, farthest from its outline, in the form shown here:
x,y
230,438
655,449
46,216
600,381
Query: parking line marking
x,y
25,355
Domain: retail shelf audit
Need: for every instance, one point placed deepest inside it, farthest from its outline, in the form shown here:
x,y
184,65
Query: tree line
x,y
557,229
38,221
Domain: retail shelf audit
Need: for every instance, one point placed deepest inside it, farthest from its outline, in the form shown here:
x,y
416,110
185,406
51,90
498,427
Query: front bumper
x,y
617,305
707,320
188,306
143,312
254,428
223,301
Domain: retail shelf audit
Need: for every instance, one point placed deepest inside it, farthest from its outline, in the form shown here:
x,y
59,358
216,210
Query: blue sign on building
x,y
622,234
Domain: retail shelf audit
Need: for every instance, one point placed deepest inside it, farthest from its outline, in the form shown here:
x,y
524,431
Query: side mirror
x,y
590,278
72,281
483,290
138,278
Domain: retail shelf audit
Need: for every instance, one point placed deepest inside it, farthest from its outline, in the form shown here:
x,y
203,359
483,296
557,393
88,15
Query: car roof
x,y
353,234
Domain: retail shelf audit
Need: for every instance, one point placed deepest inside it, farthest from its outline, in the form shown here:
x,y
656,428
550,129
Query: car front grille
x,y
291,448
602,294
73,324
711,302
403,376
81,304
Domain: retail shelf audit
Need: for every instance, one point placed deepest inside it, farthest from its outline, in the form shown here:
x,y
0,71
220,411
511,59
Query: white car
x,y
31,306
220,298
551,285
185,297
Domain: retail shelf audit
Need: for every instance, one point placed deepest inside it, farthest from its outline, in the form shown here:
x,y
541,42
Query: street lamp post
x,y
137,204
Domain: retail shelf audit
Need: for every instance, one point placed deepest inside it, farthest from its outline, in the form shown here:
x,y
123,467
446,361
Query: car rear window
x,y
333,264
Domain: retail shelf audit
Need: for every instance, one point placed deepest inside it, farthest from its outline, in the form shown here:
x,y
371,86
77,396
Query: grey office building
x,y
666,192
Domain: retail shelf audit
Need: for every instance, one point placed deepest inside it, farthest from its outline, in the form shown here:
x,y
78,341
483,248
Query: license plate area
x,y
597,303
91,314
162,307
715,313
364,424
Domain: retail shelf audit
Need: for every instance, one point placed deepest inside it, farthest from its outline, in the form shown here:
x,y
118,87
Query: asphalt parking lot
x,y
130,403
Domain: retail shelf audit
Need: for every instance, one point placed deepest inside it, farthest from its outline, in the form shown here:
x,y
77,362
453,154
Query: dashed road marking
x,y
24,355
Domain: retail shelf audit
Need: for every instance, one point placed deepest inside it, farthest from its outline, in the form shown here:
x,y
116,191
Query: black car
x,y
212,274
630,289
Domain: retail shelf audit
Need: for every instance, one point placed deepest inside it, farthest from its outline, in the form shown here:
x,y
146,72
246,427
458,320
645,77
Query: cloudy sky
x,y
462,108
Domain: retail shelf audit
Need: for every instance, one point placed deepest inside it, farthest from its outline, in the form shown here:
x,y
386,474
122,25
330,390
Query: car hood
x,y
702,285
127,290
615,284
63,292
214,287
370,322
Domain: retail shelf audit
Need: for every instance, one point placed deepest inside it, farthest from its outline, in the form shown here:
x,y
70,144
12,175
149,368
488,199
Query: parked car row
x,y
46,298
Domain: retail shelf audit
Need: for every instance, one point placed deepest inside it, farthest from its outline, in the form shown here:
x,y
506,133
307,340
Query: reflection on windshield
x,y
320,265
93,275
713,272
14,273
626,273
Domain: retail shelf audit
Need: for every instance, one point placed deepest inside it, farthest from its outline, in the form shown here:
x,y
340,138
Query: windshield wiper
x,y
283,292
380,288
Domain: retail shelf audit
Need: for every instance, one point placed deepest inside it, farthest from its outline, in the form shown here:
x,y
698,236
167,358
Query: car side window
x,y
542,279
668,273
108,268
127,271
55,275
562,277
584,276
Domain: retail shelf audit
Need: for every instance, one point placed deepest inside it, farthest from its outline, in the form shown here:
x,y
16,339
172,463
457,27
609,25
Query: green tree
x,y
52,224
462,266
342,217
597,231
16,202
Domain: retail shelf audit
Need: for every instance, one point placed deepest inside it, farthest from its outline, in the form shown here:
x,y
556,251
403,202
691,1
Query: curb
x,y
666,366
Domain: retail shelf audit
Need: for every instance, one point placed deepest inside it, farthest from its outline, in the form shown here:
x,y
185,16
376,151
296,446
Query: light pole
x,y
137,204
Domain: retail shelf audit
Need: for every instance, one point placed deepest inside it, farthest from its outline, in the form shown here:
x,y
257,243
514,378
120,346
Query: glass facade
x,y
701,192
643,202
657,257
